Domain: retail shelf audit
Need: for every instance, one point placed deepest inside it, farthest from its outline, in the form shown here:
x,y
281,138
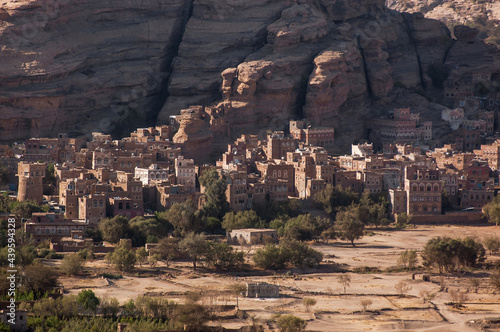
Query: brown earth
x,y
334,310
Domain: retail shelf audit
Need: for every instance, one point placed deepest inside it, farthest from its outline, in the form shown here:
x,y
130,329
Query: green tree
x,y
289,252
5,203
168,249
141,256
88,300
237,290
403,220
242,219
268,211
192,315
25,209
215,191
6,175
408,259
110,307
373,208
291,323
270,257
304,228
492,243
141,228
450,254
72,264
4,327
123,258
492,211
26,255
50,180
114,229
332,197
38,279
155,307
440,251
329,234
300,254
195,245
348,225
186,218
221,256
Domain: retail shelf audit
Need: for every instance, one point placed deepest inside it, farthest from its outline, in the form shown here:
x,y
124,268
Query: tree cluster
x,y
372,209
301,228
287,253
492,211
452,254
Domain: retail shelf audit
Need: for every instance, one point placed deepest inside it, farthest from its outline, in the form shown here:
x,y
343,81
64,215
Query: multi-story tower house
x,y
423,188
279,171
185,173
71,190
278,145
491,153
317,136
126,186
92,208
305,170
372,181
236,192
398,201
30,181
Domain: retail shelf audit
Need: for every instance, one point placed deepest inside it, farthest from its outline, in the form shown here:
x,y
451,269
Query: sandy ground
x,y
334,310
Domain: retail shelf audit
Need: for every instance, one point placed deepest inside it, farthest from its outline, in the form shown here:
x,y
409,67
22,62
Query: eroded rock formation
x,y
109,65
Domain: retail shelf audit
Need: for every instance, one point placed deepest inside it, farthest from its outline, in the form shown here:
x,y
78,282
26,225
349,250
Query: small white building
x,y
262,290
252,236
152,173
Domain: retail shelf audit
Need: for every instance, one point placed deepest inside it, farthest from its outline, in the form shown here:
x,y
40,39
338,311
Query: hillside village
x,y
85,186
149,171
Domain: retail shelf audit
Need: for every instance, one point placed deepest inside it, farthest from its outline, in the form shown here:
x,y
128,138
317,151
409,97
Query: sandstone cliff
x,y
78,66
113,65
484,15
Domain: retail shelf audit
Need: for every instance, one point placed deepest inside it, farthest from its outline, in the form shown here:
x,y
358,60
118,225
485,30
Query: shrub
x,y
365,304
291,323
408,259
72,264
402,288
309,303
221,256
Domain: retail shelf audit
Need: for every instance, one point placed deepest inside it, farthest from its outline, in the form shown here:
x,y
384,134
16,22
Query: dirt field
x,y
334,310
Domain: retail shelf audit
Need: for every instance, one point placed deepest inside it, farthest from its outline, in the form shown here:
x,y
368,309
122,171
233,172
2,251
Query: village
x,y
148,171
83,183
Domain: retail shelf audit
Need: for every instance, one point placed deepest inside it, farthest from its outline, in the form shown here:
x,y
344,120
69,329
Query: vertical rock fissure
x,y
448,51
166,67
302,94
413,43
365,67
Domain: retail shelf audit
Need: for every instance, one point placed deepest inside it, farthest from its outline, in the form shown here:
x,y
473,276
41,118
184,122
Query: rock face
x,y
110,65
86,65
484,15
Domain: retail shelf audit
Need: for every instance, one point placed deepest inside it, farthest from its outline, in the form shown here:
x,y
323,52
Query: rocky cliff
x,y
81,66
483,15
